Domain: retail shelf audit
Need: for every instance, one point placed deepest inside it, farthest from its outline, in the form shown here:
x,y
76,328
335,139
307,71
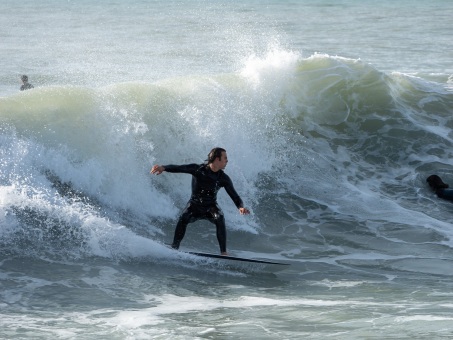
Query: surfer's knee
x,y
217,215
185,217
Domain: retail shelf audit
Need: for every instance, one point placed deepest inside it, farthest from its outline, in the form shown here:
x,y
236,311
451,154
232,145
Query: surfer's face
x,y
222,161
219,163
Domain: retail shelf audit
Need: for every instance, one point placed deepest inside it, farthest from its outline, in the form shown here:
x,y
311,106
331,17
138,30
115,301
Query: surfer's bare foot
x,y
224,253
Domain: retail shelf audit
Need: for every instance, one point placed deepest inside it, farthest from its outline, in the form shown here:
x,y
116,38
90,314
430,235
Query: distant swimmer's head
x,y
24,78
436,182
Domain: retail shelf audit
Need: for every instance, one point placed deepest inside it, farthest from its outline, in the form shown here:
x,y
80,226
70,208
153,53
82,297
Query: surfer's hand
x,y
157,169
244,211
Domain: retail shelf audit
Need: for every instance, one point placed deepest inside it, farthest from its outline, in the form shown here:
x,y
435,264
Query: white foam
x,y
171,304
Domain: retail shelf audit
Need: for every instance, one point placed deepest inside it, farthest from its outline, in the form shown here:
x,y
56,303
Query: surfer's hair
x,y
436,182
215,153
24,78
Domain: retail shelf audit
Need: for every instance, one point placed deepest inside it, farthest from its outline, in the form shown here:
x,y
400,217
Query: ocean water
x,y
333,114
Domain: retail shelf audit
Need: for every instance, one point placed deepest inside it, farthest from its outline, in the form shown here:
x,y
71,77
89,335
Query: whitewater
x,y
333,114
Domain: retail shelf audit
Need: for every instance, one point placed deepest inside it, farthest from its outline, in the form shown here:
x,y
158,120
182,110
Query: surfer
x,y
440,188
207,179
26,85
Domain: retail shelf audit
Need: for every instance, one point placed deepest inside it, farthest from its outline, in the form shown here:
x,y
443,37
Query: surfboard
x,y
231,258
234,258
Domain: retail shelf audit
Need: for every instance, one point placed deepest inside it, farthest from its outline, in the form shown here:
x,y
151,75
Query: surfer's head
x,y
24,78
214,154
217,159
436,182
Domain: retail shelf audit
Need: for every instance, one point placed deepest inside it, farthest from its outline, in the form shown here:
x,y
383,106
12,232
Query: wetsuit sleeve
x,y
446,194
185,169
228,185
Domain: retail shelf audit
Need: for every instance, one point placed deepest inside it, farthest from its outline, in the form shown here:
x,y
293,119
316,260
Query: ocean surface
x,y
333,114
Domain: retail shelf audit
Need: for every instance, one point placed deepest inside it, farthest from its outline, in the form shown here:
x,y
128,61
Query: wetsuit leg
x,y
193,213
219,220
221,233
185,218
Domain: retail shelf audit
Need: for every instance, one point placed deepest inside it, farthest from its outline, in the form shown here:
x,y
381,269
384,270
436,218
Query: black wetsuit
x,y
446,194
203,202
26,86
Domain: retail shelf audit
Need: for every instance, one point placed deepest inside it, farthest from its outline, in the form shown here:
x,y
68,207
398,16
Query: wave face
x,y
318,147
